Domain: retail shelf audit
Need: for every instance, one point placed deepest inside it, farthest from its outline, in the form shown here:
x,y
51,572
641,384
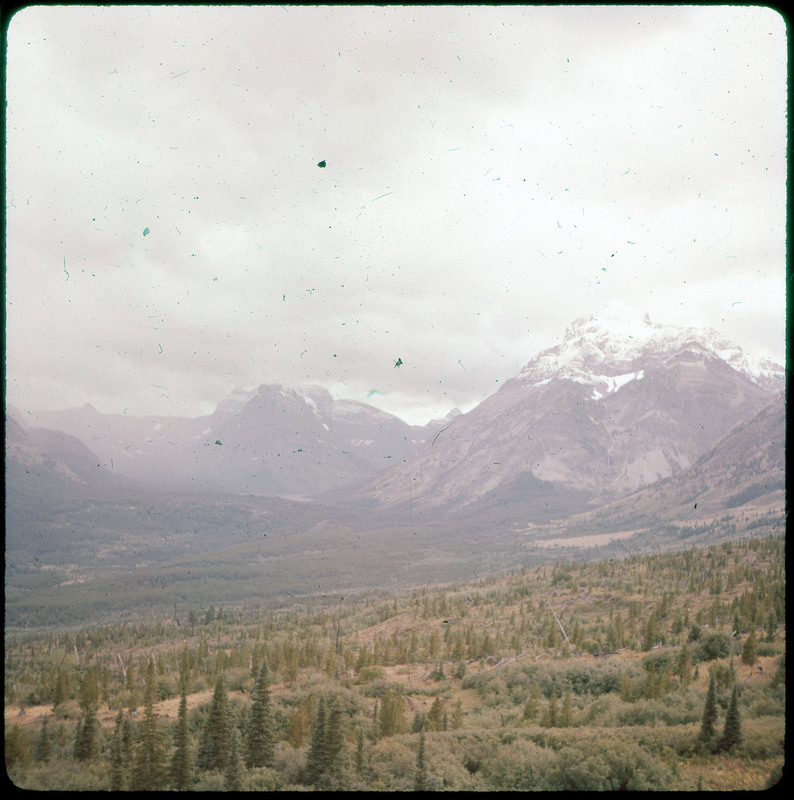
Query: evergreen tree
x,y
707,728
180,762
43,748
316,759
550,719
233,777
61,690
299,725
612,640
216,739
566,717
435,715
750,649
150,771
118,773
85,742
259,735
17,750
420,781
360,752
683,665
457,716
391,718
336,776
732,733
650,633
334,736
376,721
532,706
89,690
770,625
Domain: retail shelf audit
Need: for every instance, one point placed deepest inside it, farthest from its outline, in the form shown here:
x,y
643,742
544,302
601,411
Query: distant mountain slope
x,y
275,440
45,454
605,412
735,489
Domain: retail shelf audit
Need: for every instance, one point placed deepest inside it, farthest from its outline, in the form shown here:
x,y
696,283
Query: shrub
x,y
518,766
713,645
762,738
290,764
375,673
262,779
392,765
611,766
643,712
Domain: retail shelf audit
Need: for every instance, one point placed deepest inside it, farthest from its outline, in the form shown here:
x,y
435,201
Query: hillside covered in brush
x,y
661,672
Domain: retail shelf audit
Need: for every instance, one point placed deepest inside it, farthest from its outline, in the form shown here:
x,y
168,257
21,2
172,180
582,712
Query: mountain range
x,y
275,440
645,435
615,406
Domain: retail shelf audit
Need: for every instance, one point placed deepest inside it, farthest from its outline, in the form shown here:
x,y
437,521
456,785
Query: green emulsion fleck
x,y
145,231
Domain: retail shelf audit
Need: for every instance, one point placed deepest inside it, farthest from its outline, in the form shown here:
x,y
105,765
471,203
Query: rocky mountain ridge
x,y
612,408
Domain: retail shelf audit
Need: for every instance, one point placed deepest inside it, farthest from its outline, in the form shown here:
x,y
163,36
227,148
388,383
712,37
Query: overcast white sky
x,y
492,173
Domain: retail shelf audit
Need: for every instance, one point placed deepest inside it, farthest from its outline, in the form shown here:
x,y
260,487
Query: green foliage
x,y
150,771
259,734
391,718
421,779
518,766
607,767
707,725
233,775
732,732
17,747
85,743
43,749
181,759
713,646
213,751
527,710
750,649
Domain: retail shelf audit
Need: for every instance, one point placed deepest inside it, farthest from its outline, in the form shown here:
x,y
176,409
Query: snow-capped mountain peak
x,y
616,344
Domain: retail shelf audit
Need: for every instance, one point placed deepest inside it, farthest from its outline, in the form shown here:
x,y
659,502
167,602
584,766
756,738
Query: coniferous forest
x,y
654,672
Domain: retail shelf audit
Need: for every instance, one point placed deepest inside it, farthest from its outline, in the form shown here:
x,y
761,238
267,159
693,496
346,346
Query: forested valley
x,y
651,672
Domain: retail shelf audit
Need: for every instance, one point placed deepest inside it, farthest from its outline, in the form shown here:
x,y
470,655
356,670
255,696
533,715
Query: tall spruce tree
x,y
150,772
732,733
180,761
707,726
316,759
118,771
750,649
259,750
85,741
43,749
233,776
216,740
336,775
391,717
435,715
360,754
420,780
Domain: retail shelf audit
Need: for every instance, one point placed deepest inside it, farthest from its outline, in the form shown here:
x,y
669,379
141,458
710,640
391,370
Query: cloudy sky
x,y
491,174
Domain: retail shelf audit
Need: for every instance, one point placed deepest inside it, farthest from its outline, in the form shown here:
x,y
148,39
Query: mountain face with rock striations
x,y
617,405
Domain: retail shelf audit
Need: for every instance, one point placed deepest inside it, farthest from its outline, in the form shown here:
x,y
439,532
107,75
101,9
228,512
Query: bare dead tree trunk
x,y
559,624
